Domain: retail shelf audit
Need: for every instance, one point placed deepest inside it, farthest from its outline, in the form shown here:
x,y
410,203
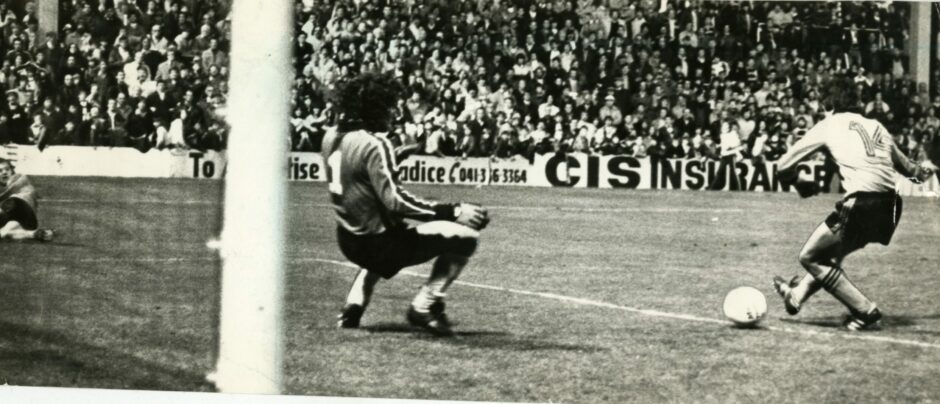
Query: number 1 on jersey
x,y
866,138
335,163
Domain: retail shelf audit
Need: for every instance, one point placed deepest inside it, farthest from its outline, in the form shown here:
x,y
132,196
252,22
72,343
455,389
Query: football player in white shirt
x,y
868,161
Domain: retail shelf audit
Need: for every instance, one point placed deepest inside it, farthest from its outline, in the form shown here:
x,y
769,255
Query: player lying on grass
x,y
868,162
18,207
371,206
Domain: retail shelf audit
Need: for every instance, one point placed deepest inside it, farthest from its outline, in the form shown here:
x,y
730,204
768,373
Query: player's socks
x,y
804,288
868,321
358,297
24,235
18,234
360,293
425,298
839,286
445,271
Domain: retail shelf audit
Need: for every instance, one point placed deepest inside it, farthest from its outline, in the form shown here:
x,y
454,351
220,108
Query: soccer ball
x,y
745,306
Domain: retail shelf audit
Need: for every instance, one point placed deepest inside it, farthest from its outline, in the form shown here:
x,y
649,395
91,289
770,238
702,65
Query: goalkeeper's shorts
x,y
384,254
865,217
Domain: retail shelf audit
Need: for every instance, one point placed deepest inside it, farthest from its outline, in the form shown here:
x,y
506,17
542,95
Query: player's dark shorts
x,y
18,210
865,217
388,253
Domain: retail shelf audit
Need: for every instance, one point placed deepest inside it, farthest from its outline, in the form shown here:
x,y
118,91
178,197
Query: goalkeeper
x,y
370,207
868,162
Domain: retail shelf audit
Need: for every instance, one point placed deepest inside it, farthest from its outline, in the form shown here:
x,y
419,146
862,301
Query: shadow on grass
x,y
403,328
34,357
889,321
747,328
484,339
66,244
390,328
47,244
907,320
825,322
517,343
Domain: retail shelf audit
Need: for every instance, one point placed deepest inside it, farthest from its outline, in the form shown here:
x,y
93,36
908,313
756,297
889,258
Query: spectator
x,y
161,104
213,56
139,128
302,125
17,120
68,135
163,70
115,122
731,152
37,130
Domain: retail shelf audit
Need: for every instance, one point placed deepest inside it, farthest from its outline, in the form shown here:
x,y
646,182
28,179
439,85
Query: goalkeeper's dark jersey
x,y
363,184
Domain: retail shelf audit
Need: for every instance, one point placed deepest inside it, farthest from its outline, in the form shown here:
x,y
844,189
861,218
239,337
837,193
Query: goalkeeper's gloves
x,y
471,215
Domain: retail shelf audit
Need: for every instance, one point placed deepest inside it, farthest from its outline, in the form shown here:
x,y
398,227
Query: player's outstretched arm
x,y
916,172
788,165
812,142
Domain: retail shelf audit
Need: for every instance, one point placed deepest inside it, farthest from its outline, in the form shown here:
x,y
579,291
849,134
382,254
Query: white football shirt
x,y
863,149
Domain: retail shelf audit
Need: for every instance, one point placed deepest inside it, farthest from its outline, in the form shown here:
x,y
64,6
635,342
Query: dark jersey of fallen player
x,y
367,197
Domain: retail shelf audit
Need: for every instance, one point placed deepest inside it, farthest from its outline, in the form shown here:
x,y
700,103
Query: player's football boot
x,y
44,235
435,321
350,316
783,289
864,322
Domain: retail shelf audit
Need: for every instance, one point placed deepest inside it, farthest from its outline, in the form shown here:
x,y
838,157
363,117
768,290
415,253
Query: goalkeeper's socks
x,y
361,290
425,298
839,286
437,285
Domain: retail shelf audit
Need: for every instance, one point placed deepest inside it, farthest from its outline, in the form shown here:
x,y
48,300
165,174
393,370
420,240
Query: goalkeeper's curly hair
x,y
366,101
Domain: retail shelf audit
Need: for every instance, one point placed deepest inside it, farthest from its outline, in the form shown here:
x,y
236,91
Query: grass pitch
x,y
574,296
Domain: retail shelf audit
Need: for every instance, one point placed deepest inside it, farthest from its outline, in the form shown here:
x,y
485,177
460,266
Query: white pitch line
x,y
493,207
554,296
617,210
656,313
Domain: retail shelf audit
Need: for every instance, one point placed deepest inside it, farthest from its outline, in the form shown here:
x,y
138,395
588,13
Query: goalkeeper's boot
x,y
783,289
864,322
350,316
434,321
44,235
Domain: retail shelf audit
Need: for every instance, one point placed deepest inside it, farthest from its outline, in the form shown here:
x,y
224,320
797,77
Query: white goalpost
x,y
250,334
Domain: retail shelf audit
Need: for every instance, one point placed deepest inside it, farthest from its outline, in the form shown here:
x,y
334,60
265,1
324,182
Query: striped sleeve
x,y
382,174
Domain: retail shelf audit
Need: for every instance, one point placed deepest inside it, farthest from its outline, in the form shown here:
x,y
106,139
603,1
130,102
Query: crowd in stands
x,y
118,73
500,78
505,78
